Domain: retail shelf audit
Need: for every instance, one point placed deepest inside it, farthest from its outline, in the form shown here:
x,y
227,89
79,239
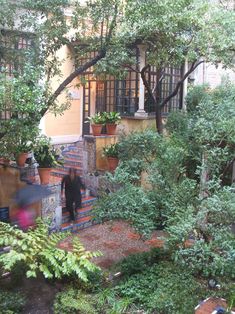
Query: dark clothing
x,y
72,193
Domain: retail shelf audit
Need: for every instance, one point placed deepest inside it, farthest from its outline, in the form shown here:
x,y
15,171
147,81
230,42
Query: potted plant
x,y
111,120
21,153
46,157
21,142
97,122
112,153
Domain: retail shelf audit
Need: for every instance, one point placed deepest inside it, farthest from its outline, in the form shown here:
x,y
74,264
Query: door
x,y
86,108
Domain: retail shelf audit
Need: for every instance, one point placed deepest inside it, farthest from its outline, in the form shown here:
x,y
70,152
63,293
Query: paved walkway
x,y
115,240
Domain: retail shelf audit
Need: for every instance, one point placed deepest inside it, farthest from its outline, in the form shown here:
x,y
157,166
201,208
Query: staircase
x,y
73,158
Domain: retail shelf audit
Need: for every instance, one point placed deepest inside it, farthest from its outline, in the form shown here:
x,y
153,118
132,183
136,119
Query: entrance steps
x,y
72,155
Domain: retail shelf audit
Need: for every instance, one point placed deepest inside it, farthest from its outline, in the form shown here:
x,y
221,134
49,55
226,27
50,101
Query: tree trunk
x,y
158,116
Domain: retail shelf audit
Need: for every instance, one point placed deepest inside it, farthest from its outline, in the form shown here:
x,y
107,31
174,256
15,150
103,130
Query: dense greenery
x,y
171,32
11,302
39,252
187,189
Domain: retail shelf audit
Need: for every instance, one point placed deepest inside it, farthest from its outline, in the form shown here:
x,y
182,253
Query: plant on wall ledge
x,y
111,120
97,118
97,121
111,150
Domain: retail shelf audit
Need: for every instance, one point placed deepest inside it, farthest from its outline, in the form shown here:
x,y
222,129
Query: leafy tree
x,y
190,191
172,32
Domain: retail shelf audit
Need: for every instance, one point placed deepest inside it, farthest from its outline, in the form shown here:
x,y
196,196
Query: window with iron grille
x,y
13,47
170,77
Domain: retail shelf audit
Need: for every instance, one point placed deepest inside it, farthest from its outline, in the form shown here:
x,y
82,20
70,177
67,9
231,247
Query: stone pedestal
x,y
94,163
93,159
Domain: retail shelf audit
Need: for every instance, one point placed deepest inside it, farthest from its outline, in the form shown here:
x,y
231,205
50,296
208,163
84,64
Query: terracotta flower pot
x,y
111,128
96,129
44,174
112,163
5,161
21,158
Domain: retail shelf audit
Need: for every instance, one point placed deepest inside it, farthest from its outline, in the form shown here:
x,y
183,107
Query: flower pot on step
x,y
112,163
111,128
96,129
21,158
44,175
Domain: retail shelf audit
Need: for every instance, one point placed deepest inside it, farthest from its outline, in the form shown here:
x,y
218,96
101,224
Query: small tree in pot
x,y
47,157
112,154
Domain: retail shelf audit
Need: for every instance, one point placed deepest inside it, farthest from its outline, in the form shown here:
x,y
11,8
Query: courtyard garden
x,y
179,185
163,233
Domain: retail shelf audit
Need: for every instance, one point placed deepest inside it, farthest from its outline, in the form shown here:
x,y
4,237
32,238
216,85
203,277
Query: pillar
x,y
141,112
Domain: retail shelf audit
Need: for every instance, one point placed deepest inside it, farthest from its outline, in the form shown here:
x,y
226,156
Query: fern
x,y
40,253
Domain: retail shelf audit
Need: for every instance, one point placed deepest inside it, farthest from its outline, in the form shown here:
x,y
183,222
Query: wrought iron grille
x,y
170,77
13,46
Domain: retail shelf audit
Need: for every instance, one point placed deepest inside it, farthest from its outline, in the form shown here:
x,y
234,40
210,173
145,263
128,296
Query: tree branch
x,y
72,76
194,65
145,82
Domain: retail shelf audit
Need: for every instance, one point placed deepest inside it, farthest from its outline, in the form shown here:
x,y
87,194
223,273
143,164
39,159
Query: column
x,y
141,112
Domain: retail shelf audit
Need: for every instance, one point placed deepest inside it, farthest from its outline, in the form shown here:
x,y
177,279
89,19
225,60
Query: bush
x,y
137,263
140,145
39,252
72,301
162,288
130,203
11,302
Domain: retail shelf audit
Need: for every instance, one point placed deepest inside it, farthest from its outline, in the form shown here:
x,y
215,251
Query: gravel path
x,y
115,240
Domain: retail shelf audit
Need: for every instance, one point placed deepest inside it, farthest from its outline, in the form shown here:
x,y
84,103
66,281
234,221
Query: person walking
x,y
72,185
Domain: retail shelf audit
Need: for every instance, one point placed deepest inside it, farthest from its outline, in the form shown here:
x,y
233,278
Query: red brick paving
x,y
111,244
105,263
132,251
157,243
209,305
91,237
115,240
116,229
133,236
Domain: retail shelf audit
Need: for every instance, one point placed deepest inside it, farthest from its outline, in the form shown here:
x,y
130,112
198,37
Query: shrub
x,y
137,263
162,288
72,301
130,203
40,253
139,145
11,302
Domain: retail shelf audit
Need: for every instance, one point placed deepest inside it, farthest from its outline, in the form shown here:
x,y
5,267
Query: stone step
x,y
82,212
69,161
61,172
79,224
86,200
73,155
66,167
